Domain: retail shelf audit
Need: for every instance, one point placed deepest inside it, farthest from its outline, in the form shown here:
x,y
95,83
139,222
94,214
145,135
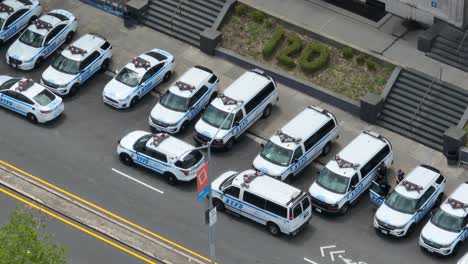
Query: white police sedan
x,y
15,15
138,78
41,39
29,99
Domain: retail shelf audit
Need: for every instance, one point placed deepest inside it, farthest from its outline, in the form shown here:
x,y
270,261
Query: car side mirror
x,y
295,160
352,187
236,123
262,145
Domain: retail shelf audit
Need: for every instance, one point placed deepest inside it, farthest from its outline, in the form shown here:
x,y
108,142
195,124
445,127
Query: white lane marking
x,y
332,253
310,261
255,138
135,180
325,247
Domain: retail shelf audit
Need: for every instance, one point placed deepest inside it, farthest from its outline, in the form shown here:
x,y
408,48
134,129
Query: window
x,y
157,68
199,94
189,160
305,203
382,154
14,17
375,161
24,99
239,116
254,200
425,196
276,209
10,93
156,55
151,72
323,131
297,211
232,191
366,169
249,106
264,93
440,179
105,46
311,141
354,181
213,79
8,84
53,33
154,154
90,59
297,154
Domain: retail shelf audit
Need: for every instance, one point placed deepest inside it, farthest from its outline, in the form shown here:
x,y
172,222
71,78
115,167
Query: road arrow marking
x,y
332,253
325,247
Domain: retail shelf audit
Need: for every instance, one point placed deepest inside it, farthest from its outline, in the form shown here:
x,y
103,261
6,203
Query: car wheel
x,y
69,37
184,127
218,204
410,230
167,76
38,62
229,144
213,96
273,229
439,199
73,90
344,209
456,249
105,65
126,159
326,149
171,179
267,111
32,118
134,101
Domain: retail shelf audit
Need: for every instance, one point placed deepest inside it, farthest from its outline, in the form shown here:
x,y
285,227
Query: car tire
x,y
184,127
38,62
69,37
213,96
456,249
439,199
73,90
267,111
411,230
167,76
326,149
171,178
218,204
229,144
344,209
126,159
134,101
105,65
31,118
273,229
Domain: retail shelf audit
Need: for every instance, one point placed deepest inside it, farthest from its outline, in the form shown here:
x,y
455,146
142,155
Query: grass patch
x,y
314,57
286,56
466,135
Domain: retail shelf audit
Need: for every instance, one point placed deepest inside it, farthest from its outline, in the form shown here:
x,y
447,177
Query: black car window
x,y
89,60
213,79
354,181
254,200
105,46
14,17
276,209
297,154
11,94
297,211
8,84
24,99
199,94
232,191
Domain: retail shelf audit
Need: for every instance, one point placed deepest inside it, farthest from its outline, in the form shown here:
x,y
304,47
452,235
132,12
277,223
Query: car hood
x,y
215,185
130,139
21,51
117,90
392,217
209,131
438,235
267,167
57,77
166,115
324,195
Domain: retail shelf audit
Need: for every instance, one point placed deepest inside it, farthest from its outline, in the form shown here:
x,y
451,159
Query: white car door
x,y
89,66
231,199
253,207
12,25
53,40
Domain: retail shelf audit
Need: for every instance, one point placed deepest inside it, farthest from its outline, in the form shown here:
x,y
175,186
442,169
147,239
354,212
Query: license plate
x,y
384,232
318,209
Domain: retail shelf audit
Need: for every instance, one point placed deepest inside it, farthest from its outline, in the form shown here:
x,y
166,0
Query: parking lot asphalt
x,y
77,153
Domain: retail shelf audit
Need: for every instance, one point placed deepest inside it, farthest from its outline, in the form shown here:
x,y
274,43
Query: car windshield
x,y
216,117
66,65
129,77
141,142
190,160
276,154
400,203
332,181
227,182
44,98
447,221
175,102
31,38
8,84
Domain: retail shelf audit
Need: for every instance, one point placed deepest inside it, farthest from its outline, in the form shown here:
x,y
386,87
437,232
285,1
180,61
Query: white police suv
x,y
41,39
282,208
138,78
78,62
29,99
184,100
464,259
350,173
15,15
229,115
410,201
448,227
298,143
162,153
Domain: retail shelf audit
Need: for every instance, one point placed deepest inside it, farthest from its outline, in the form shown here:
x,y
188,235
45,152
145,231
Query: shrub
x,y
360,59
314,57
271,44
348,53
294,47
269,23
371,65
258,16
240,9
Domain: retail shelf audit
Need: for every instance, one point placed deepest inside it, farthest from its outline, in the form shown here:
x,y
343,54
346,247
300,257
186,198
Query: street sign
x,y
212,216
203,182
434,4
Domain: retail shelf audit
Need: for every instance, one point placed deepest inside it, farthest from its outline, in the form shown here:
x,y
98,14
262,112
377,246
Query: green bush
x,y
348,53
294,47
269,23
258,16
240,9
314,57
271,44
360,59
371,64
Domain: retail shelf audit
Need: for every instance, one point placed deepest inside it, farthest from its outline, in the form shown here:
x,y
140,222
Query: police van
x,y
280,207
448,226
229,115
184,100
175,159
298,143
350,173
41,39
79,61
30,99
410,201
16,15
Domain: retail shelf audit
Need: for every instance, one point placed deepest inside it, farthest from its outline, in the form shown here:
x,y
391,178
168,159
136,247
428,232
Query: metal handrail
x,y
420,104
460,46
178,8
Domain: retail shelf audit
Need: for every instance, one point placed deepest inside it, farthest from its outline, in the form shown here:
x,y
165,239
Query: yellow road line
x,y
107,212
77,226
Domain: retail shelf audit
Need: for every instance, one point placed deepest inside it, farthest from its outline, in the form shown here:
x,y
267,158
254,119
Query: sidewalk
x,y
389,39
